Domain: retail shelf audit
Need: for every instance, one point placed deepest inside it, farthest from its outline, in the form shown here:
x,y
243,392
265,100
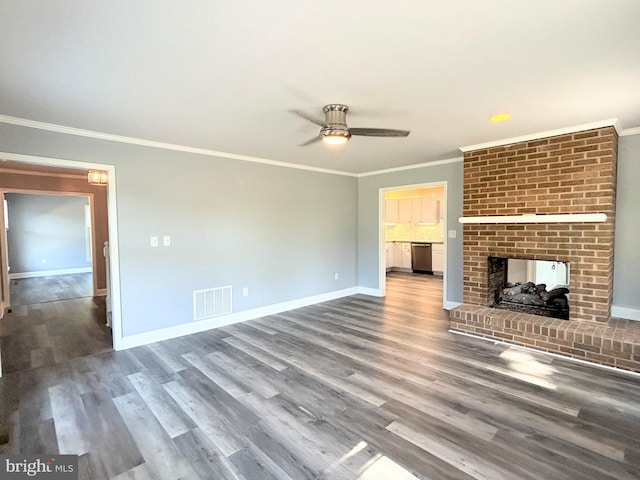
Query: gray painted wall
x,y
49,227
626,273
368,220
282,233
279,232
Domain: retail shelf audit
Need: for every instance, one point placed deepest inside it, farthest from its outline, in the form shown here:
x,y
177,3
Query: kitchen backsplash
x,y
410,232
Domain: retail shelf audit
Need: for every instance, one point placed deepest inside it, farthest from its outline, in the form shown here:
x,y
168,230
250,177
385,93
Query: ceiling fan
x,y
335,130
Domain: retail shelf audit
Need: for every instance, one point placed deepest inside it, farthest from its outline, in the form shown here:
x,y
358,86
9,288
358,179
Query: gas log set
x,y
535,299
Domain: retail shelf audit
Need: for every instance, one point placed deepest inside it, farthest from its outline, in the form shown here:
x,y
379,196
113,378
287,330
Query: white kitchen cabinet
x,y
406,255
409,210
429,211
396,254
404,210
437,257
416,210
402,255
391,212
388,255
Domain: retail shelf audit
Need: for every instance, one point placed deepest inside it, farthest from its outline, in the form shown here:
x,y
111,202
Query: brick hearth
x,y
615,343
565,174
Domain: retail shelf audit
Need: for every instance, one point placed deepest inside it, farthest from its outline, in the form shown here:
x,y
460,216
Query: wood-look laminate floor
x,y
29,291
52,320
356,388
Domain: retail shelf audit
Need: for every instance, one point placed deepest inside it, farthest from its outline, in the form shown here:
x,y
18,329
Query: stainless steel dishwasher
x,y
421,258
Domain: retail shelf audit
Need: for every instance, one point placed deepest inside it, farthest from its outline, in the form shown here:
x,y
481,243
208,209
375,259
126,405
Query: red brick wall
x,y
572,173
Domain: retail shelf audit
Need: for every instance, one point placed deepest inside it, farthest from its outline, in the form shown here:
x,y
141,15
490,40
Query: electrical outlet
x,y
245,292
44,260
452,234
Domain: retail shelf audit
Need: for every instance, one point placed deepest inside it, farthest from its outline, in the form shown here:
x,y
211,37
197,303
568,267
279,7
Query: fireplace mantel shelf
x,y
535,218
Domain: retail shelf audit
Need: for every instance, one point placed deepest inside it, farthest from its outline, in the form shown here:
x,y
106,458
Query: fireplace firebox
x,y
530,286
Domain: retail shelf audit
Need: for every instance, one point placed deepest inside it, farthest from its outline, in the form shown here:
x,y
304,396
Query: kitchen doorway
x,y
413,218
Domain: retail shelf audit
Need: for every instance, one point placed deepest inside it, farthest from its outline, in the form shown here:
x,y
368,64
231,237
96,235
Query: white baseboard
x,y
451,305
145,338
49,273
374,292
630,313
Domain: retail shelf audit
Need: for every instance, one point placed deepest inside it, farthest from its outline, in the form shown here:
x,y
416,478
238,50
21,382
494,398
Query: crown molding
x,y
412,167
612,122
79,132
629,131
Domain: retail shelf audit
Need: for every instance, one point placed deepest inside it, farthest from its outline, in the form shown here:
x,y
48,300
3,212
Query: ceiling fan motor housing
x,y
335,119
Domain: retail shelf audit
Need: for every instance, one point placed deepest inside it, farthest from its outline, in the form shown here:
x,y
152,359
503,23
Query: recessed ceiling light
x,y
501,117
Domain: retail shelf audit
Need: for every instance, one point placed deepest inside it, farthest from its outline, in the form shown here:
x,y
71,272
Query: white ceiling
x,y
224,75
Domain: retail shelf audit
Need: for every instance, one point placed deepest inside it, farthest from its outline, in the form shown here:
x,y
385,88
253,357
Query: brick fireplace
x,y
566,174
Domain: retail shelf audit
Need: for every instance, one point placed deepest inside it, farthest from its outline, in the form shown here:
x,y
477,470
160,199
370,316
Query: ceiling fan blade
x,y
378,132
306,116
309,142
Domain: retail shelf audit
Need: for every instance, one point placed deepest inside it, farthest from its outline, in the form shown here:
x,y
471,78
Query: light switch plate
x,y
452,234
153,241
166,241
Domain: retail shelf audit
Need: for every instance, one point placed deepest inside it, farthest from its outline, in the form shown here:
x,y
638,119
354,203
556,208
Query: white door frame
x,y
112,215
382,271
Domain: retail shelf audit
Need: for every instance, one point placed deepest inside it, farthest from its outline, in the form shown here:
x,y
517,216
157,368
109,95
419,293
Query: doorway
x,y
110,226
412,214
49,246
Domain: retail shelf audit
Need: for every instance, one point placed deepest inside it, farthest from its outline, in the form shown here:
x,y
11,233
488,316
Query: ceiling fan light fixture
x,y
335,136
335,131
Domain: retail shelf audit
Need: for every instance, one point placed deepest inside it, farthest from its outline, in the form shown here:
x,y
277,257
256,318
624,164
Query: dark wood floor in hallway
x,y
356,388
29,291
52,320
